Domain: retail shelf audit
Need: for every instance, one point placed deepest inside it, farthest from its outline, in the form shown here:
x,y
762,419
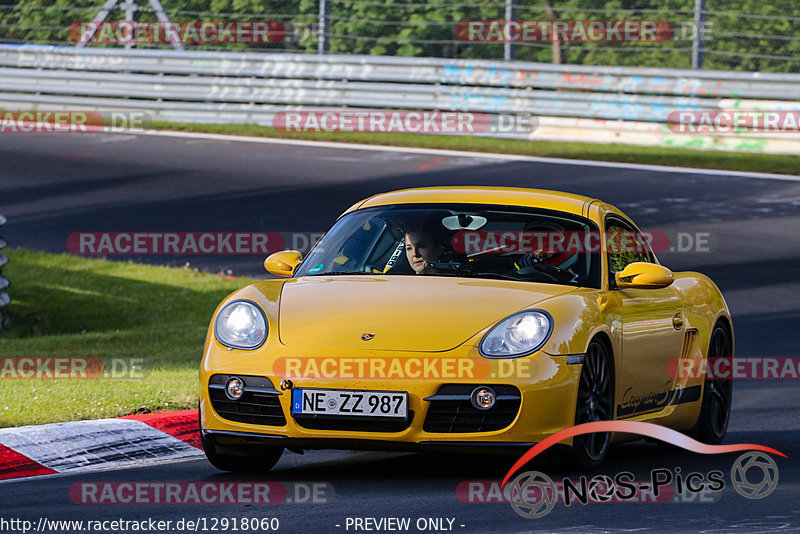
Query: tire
x,y
595,403
251,459
715,410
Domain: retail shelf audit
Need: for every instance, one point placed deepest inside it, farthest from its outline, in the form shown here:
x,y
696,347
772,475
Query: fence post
x,y
508,48
323,46
4,283
698,42
130,8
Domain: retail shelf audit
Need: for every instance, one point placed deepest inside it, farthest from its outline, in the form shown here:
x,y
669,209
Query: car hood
x,y
405,313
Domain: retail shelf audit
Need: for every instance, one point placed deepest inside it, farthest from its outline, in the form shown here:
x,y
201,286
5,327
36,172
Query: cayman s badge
x,y
366,336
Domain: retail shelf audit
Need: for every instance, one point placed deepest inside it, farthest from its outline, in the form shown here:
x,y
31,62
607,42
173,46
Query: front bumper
x,y
547,387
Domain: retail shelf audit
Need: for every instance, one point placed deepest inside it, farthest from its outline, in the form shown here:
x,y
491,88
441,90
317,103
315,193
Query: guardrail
x,y
4,283
600,104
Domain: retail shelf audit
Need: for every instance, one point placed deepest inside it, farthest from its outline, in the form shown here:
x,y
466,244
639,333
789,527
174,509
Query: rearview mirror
x,y
283,263
643,275
464,221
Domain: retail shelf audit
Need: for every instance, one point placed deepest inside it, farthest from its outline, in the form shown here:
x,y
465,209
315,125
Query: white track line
x,y
468,154
80,445
104,467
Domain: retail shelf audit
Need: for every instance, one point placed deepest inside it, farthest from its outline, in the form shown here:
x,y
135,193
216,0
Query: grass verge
x,y
125,314
680,157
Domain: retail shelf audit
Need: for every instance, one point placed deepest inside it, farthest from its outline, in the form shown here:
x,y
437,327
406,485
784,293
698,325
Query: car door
x,y
652,328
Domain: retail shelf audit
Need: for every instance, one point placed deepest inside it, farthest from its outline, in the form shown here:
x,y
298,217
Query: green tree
x,y
751,35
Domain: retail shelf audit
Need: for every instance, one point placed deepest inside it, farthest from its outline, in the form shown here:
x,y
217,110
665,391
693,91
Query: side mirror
x,y
283,263
642,275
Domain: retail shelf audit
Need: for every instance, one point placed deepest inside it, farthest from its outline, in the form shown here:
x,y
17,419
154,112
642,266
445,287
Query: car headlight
x,y
517,335
241,325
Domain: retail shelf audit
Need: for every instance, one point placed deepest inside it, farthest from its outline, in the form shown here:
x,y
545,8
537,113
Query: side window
x,y
625,245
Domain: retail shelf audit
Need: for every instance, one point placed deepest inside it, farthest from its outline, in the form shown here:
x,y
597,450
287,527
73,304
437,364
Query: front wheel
x,y
595,401
715,410
240,460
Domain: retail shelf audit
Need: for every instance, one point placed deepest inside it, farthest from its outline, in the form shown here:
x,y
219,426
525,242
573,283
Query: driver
x,y
424,243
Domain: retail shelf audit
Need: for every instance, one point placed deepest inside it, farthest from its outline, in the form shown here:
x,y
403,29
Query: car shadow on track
x,y
638,457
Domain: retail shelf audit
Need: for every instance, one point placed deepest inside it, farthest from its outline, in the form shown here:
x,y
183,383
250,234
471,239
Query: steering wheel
x,y
537,266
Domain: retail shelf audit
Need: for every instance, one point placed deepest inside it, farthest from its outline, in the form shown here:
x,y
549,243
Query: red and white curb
x,y
99,444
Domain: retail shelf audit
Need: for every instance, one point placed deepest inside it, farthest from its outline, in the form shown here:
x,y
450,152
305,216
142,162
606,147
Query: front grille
x,y
355,424
259,404
451,410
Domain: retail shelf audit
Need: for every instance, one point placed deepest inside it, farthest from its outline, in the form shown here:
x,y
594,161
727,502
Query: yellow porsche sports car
x,y
462,317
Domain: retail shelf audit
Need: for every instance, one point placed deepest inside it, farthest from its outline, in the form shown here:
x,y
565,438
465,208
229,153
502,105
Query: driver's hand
x,y
528,260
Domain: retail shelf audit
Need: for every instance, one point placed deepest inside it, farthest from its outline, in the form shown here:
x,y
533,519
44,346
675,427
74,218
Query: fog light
x,y
234,388
483,398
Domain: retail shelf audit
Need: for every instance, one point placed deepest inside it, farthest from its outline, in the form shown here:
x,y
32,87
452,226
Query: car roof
x,y
511,196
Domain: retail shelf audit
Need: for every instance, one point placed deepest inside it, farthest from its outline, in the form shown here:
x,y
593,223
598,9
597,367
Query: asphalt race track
x,y
54,185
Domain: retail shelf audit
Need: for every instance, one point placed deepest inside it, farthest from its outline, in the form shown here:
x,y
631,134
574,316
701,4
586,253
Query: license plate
x,y
350,403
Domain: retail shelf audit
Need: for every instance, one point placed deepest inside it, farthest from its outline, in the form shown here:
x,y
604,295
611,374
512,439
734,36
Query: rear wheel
x,y
715,411
595,400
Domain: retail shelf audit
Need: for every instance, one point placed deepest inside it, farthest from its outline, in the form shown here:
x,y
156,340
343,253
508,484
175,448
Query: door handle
x,y
677,320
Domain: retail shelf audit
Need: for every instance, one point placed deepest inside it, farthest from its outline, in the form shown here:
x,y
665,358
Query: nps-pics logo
x,y
533,494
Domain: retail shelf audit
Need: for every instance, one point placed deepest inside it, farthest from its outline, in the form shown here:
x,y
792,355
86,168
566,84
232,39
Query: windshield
x,y
468,240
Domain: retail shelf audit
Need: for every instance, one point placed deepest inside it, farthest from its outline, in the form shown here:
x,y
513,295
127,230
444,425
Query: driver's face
x,y
419,249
